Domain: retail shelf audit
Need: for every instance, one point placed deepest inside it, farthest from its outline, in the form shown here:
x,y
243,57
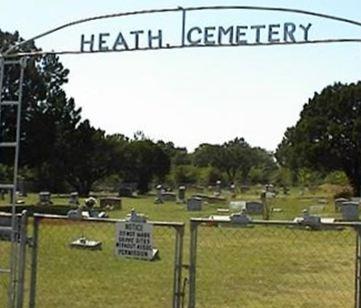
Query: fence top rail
x,y
226,220
7,214
107,220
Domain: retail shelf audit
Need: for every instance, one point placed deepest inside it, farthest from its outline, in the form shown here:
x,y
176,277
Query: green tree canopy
x,y
327,136
235,157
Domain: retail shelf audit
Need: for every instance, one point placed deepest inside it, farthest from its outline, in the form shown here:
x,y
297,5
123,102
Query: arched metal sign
x,y
190,35
194,36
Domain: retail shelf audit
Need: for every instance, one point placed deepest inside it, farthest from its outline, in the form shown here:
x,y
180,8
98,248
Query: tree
x,y
49,118
235,157
327,137
89,157
143,161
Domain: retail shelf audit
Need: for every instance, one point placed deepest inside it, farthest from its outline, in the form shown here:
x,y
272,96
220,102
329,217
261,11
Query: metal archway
x,y
14,56
12,51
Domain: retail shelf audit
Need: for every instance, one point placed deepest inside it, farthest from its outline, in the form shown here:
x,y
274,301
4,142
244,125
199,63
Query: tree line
x,y
61,151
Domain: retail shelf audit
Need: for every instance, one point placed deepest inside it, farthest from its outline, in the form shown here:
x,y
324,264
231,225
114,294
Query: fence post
x,y
192,264
178,260
22,259
358,268
34,261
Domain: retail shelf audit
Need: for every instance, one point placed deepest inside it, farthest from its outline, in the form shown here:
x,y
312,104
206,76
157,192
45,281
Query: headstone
x,y
159,197
181,194
316,209
194,204
237,205
356,199
338,203
44,198
310,221
74,198
110,203
75,214
169,196
21,188
249,207
222,211
349,210
266,206
254,207
232,189
84,243
218,191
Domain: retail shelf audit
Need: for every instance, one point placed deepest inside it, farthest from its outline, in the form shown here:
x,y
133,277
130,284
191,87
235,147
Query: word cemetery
x,y
287,32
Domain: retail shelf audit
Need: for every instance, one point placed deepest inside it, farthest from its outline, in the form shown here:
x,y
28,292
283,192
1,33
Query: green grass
x,y
243,267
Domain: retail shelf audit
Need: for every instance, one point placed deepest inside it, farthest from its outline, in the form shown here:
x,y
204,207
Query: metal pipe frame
x,y
34,262
193,263
196,222
15,248
12,51
216,222
178,265
358,268
22,259
178,253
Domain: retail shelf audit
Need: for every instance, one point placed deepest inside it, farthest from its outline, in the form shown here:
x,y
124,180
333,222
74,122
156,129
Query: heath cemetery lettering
x,y
233,35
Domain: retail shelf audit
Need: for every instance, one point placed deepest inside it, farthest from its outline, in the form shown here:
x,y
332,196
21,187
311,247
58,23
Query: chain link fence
x,y
5,247
73,277
269,264
13,249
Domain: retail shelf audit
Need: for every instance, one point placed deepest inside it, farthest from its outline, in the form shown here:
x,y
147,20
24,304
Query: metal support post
x,y
192,264
177,285
34,261
358,269
22,259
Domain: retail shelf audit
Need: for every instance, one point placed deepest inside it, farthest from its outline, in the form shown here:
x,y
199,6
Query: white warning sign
x,y
134,240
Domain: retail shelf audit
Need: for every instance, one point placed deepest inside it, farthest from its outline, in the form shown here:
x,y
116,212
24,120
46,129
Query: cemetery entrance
x,y
50,231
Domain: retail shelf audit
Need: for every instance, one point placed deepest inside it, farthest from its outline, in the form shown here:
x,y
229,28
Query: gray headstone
x,y
349,210
218,188
181,194
254,207
74,198
232,189
194,204
159,198
45,198
168,196
338,203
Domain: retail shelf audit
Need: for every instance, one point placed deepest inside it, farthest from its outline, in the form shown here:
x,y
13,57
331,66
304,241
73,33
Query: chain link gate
x,y
67,277
12,283
274,264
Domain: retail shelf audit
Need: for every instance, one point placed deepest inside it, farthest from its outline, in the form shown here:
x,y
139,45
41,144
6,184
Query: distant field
x,y
253,267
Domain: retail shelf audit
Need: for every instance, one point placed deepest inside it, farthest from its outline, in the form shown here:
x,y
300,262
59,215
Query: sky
x,y
194,95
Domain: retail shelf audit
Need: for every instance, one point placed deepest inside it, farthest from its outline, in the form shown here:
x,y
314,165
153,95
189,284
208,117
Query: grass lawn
x,y
243,267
